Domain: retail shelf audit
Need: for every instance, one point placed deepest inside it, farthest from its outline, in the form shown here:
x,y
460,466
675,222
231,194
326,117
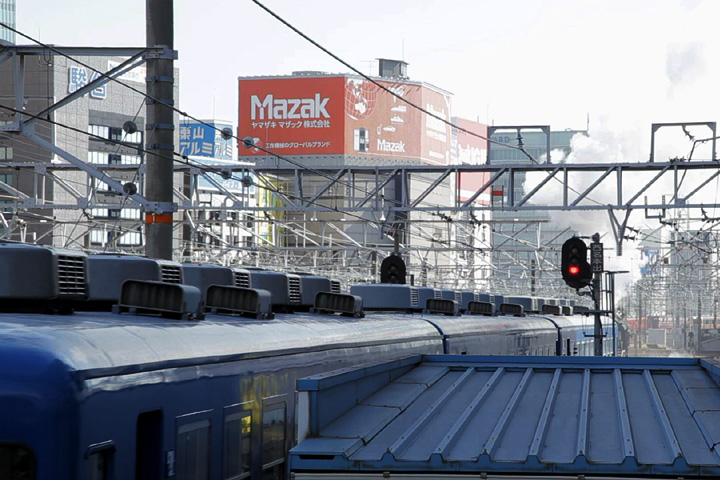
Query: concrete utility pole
x,y
159,129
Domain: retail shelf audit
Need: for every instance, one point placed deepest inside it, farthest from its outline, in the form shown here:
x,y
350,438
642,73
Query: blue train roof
x,y
99,344
439,414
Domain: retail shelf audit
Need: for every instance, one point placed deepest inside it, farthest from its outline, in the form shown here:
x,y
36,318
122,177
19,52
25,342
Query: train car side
x,y
167,389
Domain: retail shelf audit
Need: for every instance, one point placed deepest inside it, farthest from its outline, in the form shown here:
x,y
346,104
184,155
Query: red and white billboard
x,y
292,116
471,150
378,124
341,115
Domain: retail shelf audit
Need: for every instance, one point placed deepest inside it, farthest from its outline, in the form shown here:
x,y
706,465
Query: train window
x,y
97,466
17,461
273,442
98,458
192,457
238,429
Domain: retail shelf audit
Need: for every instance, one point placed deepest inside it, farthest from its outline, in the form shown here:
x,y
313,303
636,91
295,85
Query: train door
x,y
237,441
192,447
148,444
274,438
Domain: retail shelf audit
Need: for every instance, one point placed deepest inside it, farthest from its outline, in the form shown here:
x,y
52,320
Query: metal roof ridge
x,y
491,444
453,434
662,415
411,432
628,445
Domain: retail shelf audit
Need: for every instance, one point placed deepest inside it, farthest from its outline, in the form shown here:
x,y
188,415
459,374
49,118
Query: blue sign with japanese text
x,y
78,77
205,141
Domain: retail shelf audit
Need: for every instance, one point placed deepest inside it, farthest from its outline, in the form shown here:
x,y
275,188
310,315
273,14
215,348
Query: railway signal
x,y
392,270
576,271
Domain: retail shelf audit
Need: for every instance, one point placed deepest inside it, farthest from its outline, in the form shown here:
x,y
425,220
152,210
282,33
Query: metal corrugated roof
x,y
440,414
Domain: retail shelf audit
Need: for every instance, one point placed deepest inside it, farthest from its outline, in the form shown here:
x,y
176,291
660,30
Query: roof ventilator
x,y
168,300
109,271
529,304
202,275
170,272
551,310
581,310
480,308
388,297
566,310
334,286
285,289
442,307
38,279
294,289
246,302
464,298
345,305
512,309
242,278
310,285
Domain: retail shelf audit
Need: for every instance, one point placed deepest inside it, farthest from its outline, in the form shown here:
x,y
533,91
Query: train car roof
x,y
478,324
101,344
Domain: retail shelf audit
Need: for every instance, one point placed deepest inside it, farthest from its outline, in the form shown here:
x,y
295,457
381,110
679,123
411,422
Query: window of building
x,y
99,213
98,237
101,186
273,441
6,153
131,239
130,213
133,137
192,456
114,159
130,159
17,461
99,131
98,157
116,134
237,443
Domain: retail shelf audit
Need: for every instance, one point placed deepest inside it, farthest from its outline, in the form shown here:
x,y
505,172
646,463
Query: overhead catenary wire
x,y
187,161
144,94
284,158
289,160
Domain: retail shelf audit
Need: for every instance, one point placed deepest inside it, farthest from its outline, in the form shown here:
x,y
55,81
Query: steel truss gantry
x,y
363,188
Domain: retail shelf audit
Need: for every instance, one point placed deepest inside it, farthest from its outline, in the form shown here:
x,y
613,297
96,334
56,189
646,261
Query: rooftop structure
x,y
444,415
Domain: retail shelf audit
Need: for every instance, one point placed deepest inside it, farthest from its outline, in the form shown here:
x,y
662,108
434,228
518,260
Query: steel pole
x,y
159,131
598,331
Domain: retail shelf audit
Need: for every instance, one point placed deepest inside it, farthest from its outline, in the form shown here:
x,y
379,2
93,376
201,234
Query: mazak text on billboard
x,y
288,108
385,146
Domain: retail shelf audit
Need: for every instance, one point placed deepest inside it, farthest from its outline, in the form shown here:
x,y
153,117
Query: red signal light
x,y
574,270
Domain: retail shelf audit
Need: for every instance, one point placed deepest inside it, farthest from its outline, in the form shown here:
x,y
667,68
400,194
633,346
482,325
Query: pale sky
x,y
512,62
625,64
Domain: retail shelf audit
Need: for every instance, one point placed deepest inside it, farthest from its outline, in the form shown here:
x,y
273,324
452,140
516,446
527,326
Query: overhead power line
x,y
383,87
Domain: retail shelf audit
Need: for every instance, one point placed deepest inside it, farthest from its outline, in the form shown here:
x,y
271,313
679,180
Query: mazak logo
x,y
272,108
395,147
